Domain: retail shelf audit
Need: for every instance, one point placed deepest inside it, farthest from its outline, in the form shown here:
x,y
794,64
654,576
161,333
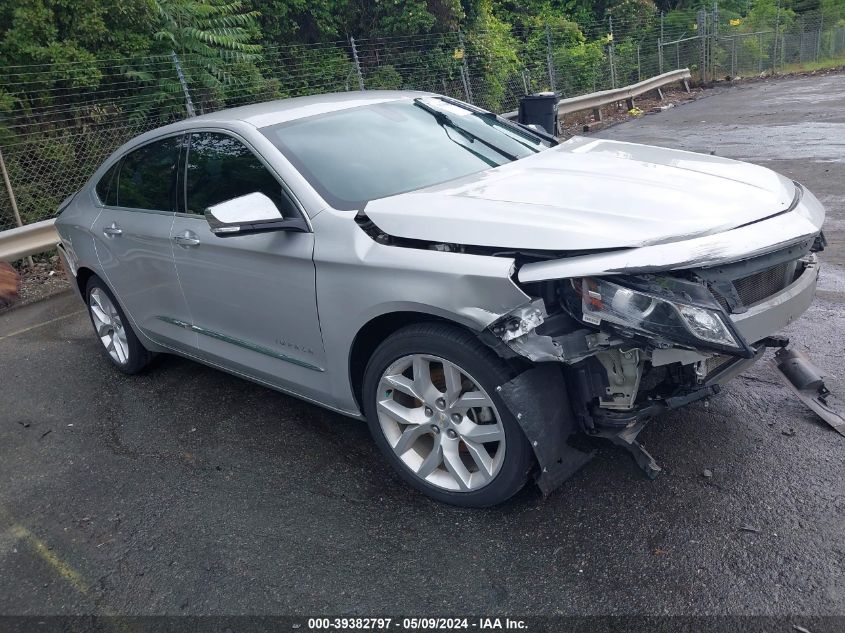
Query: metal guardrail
x,y
27,240
41,236
595,100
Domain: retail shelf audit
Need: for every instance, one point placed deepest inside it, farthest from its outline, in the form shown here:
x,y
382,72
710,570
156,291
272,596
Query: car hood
x,y
588,194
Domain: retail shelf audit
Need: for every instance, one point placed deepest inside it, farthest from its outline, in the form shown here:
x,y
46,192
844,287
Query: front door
x,y
133,241
252,297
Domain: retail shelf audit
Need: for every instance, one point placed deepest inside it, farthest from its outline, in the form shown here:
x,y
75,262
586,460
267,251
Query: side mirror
x,y
252,213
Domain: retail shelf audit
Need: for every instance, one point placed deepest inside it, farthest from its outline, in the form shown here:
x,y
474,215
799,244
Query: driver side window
x,y
221,168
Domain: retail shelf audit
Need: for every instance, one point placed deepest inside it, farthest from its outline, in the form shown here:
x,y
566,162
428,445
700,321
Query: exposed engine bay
x,y
634,346
643,331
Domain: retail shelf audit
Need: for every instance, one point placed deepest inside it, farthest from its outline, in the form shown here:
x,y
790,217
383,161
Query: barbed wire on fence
x,y
65,118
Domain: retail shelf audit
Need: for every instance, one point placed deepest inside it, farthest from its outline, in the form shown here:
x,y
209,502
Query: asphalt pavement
x,y
188,491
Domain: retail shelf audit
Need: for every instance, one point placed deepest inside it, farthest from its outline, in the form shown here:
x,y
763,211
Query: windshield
x,y
373,151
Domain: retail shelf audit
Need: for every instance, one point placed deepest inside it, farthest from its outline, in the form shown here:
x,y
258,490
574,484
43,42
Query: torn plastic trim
x,y
539,401
807,383
523,320
518,330
752,240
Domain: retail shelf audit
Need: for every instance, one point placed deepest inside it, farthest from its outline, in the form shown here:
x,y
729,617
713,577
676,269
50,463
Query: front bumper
x,y
753,327
776,312
765,318
595,388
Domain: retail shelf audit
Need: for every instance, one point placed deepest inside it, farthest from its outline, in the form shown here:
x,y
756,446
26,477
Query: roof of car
x,y
273,112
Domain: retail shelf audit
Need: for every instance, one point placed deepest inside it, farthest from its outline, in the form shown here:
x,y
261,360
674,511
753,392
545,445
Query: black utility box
x,y
540,109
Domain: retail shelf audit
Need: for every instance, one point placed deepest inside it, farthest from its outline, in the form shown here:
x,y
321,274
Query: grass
x,y
822,64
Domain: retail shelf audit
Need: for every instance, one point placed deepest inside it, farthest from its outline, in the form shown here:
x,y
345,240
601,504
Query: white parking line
x,y
38,325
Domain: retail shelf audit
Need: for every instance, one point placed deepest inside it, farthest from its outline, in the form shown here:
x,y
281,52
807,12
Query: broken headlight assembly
x,y
659,315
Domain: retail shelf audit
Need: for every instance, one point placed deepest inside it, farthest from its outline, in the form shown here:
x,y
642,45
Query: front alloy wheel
x,y
441,423
429,394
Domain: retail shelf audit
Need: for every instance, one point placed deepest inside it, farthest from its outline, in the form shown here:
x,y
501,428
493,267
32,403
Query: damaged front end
x,y
632,346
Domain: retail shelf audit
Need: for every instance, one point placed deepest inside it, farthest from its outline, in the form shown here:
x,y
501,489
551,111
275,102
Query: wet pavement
x,y
188,491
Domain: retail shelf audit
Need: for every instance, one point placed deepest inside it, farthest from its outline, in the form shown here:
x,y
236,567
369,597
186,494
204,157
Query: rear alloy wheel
x,y
109,326
113,329
434,412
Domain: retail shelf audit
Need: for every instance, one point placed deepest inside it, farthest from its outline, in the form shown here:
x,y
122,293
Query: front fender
x,y
359,279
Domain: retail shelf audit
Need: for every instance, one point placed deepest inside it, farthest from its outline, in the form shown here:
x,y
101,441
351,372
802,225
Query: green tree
x,y
214,41
367,18
212,33
636,16
285,22
494,57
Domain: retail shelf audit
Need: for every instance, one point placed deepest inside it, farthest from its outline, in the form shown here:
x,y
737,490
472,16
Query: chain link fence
x,y
59,122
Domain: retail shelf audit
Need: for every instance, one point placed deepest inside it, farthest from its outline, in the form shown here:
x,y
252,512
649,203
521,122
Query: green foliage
x,y
581,68
212,36
388,18
384,78
494,55
83,76
301,70
302,21
766,12
635,15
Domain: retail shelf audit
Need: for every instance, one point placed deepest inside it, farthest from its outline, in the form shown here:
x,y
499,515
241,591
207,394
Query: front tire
x,y
113,329
432,407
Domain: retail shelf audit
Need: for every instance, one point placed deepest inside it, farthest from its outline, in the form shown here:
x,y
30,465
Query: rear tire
x,y
431,404
114,330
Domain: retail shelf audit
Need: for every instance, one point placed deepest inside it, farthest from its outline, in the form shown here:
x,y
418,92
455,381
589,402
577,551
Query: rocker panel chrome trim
x,y
244,344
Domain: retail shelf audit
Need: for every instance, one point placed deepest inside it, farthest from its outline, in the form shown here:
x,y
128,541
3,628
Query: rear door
x,y
132,236
252,297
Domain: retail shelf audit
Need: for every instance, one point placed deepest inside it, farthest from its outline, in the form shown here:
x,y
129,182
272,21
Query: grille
x,y
722,301
715,362
764,284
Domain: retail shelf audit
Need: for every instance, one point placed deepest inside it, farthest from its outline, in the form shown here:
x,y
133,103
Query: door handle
x,y
187,239
112,229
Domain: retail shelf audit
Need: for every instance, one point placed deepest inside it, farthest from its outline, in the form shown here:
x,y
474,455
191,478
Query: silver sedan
x,y
478,291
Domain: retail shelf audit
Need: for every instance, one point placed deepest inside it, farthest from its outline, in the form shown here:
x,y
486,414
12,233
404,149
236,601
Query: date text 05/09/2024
x,y
415,624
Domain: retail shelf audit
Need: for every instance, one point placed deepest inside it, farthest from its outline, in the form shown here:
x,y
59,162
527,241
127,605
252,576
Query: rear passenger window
x,y
221,168
147,178
107,187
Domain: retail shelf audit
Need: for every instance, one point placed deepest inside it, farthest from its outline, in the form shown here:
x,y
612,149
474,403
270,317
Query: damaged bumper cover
x,y
591,370
547,423
520,329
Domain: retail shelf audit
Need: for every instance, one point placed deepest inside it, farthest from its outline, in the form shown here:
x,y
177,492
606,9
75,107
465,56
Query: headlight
x,y
706,325
603,300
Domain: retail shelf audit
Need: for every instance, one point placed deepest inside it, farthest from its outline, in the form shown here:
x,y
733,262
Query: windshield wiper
x,y
465,146
445,120
493,120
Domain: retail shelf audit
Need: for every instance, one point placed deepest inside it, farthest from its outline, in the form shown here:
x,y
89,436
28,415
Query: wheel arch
x,y
374,331
83,274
